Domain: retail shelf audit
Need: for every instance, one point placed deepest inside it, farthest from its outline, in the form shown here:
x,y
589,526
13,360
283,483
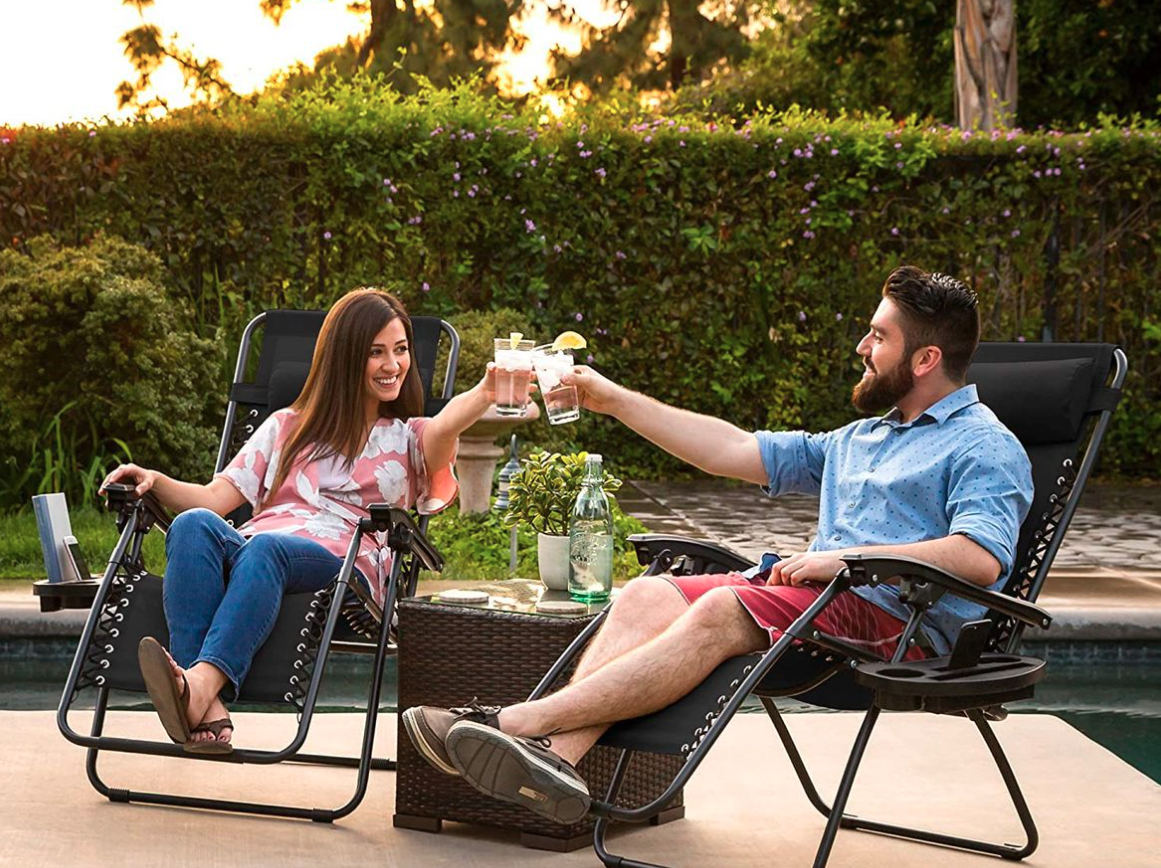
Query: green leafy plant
x,y
724,264
95,344
542,493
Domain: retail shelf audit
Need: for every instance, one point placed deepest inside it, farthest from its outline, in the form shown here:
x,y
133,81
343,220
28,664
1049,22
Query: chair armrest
x,y
123,498
403,534
652,546
876,569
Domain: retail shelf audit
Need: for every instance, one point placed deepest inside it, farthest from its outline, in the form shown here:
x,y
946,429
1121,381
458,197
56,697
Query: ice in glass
x,y
513,374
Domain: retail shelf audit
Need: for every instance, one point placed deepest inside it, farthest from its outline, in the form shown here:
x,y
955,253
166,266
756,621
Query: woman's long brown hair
x,y
331,406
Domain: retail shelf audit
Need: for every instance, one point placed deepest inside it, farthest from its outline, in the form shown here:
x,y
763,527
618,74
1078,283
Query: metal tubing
x,y
232,406
844,790
794,631
70,688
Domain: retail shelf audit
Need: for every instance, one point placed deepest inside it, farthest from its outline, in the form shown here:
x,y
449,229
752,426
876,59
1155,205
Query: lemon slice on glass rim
x,y
514,338
569,341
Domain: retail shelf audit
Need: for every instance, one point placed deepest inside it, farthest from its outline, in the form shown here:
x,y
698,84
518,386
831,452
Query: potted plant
x,y
541,495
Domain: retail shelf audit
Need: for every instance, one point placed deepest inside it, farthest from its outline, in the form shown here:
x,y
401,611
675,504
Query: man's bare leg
x,y
645,608
642,679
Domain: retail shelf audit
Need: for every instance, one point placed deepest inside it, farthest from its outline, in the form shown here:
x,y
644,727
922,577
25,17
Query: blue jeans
x,y
222,592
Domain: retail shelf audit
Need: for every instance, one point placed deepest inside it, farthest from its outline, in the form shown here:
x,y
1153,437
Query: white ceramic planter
x,y
552,558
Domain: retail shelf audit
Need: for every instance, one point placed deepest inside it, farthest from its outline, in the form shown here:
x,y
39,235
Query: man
x,y
937,478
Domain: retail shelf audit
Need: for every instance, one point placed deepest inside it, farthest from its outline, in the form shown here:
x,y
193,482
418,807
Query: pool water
x,y
1110,692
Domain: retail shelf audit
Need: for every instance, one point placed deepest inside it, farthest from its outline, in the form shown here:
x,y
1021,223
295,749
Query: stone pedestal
x,y
478,455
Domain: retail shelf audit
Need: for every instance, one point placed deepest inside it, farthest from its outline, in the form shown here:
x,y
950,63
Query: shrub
x,y
726,268
542,493
98,355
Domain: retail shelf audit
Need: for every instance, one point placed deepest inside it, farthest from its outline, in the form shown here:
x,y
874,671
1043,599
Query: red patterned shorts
x,y
775,607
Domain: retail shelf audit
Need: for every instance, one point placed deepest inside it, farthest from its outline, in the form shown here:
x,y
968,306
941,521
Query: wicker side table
x,y
449,654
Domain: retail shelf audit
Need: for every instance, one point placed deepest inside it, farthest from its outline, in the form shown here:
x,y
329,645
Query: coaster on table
x,y
561,607
463,595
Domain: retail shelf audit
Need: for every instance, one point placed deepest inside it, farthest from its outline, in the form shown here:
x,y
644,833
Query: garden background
x,y
717,252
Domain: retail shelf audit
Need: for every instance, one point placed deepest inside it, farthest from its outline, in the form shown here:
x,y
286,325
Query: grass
x,y
21,557
474,546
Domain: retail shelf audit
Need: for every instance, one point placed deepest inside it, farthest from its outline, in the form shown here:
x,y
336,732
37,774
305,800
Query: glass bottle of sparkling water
x,y
590,538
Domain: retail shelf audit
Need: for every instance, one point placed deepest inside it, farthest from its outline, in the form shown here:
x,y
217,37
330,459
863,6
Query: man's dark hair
x,y
938,311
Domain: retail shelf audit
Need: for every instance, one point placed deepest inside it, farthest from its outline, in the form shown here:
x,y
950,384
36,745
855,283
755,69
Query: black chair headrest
x,y
1039,401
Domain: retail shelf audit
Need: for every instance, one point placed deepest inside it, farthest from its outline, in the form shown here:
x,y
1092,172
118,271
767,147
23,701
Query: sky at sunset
x,y
61,60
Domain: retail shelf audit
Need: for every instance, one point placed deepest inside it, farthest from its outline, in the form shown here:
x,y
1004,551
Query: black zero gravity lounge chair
x,y
288,668
1057,399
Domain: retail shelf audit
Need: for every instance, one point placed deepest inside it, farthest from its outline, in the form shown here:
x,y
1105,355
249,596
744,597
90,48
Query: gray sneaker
x,y
428,726
522,771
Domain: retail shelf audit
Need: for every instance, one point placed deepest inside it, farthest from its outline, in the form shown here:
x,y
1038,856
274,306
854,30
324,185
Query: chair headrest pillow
x,y
1039,402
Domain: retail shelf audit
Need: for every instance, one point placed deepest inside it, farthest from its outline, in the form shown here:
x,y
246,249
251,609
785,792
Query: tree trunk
x,y
985,63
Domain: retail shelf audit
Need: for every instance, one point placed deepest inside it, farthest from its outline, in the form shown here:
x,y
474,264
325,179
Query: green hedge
x,y
728,269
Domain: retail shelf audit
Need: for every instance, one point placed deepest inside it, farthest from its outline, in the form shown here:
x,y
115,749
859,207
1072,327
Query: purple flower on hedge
x,y
802,316
472,193
533,162
898,145
681,143
834,152
1021,149
894,230
456,176
1036,174
648,139
808,186
590,358
1015,233
426,286
92,133
798,152
579,317
1020,339
327,235
600,172
771,174
557,248
529,226
838,317
1007,212
585,154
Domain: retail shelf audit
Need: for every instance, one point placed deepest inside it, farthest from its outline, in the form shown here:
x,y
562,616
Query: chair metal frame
x,y
125,571
920,584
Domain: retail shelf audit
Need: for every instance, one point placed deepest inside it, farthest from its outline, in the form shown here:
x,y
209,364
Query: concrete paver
x,y
745,806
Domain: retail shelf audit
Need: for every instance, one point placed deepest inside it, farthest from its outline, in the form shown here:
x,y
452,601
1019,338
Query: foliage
x,y
725,267
542,492
1077,60
97,356
477,545
96,531
702,38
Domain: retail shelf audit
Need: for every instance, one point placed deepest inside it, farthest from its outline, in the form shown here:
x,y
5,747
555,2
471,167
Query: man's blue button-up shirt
x,y
954,469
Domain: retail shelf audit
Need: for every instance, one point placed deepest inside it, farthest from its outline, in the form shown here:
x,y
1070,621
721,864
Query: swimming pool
x,y
1111,692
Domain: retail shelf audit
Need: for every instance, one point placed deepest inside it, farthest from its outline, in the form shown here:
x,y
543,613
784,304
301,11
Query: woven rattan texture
x,y
450,654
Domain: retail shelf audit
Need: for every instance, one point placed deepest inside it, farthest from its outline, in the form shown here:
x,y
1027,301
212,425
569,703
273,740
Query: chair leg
x,y
850,821
602,824
795,757
844,791
364,763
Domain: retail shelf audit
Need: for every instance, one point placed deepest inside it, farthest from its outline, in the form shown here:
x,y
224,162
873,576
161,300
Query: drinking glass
x,y
513,374
560,401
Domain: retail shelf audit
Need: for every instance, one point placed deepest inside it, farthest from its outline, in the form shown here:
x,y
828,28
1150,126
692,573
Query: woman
x,y
355,436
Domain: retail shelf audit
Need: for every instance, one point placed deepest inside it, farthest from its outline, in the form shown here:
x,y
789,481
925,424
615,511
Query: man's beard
x,y
882,390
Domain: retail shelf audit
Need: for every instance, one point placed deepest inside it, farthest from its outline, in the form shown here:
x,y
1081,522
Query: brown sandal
x,y
213,745
171,706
